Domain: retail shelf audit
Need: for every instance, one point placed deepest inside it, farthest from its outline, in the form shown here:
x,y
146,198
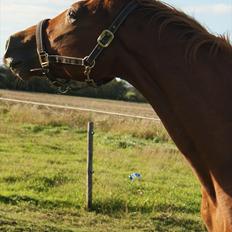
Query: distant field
x,y
139,109
43,166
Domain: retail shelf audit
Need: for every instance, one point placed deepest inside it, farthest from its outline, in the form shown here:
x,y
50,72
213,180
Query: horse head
x,y
69,45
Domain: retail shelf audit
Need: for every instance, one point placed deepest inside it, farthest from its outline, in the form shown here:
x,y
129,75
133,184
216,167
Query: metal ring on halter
x,y
85,60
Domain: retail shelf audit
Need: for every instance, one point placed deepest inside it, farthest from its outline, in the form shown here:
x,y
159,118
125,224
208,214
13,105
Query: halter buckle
x,y
105,38
44,61
87,63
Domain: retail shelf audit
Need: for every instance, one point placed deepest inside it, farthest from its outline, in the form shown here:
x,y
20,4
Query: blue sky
x,y
16,15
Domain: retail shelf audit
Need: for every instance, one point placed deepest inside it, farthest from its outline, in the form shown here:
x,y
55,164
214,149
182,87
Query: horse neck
x,y
184,95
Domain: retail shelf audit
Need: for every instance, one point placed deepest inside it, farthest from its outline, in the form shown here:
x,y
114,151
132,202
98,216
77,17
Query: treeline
x,y
115,90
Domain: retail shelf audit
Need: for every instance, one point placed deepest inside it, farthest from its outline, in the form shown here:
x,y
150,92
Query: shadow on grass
x,y
108,206
16,199
112,206
10,224
164,222
162,216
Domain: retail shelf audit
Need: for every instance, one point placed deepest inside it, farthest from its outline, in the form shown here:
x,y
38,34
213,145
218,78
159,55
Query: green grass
x,y
43,175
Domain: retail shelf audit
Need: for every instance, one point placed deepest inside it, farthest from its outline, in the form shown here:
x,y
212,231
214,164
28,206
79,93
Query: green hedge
x,y
116,89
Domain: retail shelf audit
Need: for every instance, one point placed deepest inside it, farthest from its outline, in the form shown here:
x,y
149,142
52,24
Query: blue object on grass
x,y
134,176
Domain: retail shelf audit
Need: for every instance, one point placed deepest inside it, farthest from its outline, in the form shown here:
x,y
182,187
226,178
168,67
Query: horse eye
x,y
72,16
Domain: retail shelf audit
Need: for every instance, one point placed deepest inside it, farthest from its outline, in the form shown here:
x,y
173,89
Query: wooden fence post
x,y
90,165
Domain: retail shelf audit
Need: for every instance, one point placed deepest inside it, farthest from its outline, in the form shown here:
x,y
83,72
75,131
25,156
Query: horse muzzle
x,y
18,56
9,60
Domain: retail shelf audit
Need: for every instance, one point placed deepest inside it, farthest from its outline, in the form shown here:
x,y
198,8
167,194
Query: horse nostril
x,y
8,61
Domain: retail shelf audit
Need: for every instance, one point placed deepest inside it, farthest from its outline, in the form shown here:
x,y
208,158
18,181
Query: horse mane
x,y
196,36
190,31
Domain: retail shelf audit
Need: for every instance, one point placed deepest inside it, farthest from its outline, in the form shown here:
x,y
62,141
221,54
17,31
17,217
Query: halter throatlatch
x,y
104,40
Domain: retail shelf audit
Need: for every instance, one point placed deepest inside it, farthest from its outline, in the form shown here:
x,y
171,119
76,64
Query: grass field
x,y
43,174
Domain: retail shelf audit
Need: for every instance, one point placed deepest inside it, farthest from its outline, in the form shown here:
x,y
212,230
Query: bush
x,y
115,90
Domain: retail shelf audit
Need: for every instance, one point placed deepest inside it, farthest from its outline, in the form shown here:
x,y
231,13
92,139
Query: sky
x,y
16,15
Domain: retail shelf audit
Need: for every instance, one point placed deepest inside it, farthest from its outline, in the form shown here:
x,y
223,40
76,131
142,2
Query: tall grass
x,y
46,116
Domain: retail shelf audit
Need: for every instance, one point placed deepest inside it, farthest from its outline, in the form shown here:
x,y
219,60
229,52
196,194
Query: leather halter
x,y
103,41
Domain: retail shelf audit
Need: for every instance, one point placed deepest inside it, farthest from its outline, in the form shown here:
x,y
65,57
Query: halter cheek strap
x,y
88,62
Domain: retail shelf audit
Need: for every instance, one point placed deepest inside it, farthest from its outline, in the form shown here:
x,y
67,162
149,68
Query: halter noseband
x,y
103,41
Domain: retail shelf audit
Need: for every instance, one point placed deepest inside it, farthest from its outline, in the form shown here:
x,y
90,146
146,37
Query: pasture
x,y
43,171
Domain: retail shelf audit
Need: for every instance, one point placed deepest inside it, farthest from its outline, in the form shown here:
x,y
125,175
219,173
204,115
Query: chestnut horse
x,y
182,70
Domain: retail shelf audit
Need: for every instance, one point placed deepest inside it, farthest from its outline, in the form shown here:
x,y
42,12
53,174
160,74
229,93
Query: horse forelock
x,y
193,33
95,4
